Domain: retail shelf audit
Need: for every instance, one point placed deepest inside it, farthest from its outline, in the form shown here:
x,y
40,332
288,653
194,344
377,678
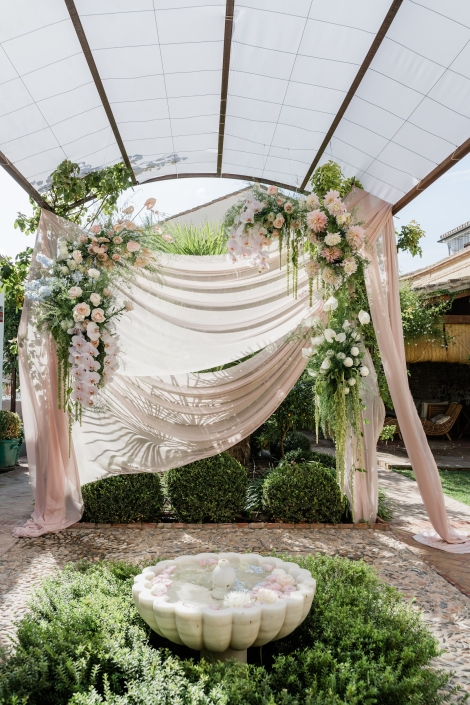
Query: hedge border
x,y
380,525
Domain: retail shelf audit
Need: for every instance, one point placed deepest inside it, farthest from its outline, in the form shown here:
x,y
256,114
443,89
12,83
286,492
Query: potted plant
x,y
10,431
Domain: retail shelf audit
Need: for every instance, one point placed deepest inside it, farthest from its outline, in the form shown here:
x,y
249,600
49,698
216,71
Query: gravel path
x,y
443,607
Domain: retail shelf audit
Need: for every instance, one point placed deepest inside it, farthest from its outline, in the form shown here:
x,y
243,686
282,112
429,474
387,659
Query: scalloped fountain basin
x,y
221,604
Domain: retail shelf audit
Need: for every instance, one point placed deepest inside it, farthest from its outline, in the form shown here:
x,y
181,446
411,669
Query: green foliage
x,y
422,317
387,433
207,239
213,489
10,425
83,643
13,274
123,499
79,197
303,492
408,238
384,509
254,493
328,461
330,177
296,411
293,441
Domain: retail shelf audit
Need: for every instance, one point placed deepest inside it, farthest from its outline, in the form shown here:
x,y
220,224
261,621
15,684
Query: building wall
x,y
440,380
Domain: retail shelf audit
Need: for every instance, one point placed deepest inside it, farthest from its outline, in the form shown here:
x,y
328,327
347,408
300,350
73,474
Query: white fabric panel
x,y
50,109
163,97
415,97
291,67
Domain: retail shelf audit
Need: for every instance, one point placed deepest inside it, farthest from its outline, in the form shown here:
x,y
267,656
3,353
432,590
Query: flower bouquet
x,y
77,303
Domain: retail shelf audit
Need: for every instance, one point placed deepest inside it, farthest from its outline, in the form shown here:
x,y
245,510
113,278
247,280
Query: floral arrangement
x,y
336,362
77,302
320,227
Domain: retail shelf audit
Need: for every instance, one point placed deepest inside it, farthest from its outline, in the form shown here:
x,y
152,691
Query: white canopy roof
x,y
252,89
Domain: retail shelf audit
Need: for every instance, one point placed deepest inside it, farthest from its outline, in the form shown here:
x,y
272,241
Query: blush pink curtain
x,y
383,294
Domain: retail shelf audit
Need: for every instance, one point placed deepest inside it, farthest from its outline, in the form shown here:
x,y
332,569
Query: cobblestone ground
x,y
443,607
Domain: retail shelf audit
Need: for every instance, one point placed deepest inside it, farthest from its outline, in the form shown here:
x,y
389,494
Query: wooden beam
x,y
440,169
241,177
379,37
455,318
23,182
77,23
229,9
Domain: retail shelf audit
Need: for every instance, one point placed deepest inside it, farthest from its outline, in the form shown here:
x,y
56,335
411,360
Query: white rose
x,y
340,337
95,299
332,239
74,292
364,371
364,317
93,273
97,315
348,362
354,351
330,335
352,381
326,364
330,304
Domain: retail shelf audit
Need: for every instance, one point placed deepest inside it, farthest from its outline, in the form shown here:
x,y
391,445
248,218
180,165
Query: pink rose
x,y
117,240
97,315
83,238
133,246
279,222
116,257
77,255
95,229
288,208
272,190
280,200
316,220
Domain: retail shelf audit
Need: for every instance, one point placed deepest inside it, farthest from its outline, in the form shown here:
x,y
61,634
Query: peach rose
x,y
95,299
133,246
288,208
116,257
117,240
83,238
75,292
97,315
106,292
81,311
95,229
272,190
77,255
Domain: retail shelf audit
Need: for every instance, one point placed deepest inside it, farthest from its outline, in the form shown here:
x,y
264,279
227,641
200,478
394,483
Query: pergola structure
x,y
261,90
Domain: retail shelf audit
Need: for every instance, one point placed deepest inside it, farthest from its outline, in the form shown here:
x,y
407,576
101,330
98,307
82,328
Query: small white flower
x,y
266,595
307,352
354,351
346,390
364,317
330,353
347,362
330,304
330,335
238,599
352,381
312,373
364,371
341,356
93,273
340,337
346,325
332,239
326,364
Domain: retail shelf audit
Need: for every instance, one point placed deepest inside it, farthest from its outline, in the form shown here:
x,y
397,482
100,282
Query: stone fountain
x,y
221,604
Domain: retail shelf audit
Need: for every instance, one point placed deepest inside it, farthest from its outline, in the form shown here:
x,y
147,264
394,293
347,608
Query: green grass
x,y
455,483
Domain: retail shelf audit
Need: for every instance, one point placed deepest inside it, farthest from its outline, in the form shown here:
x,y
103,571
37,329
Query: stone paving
x,y
444,608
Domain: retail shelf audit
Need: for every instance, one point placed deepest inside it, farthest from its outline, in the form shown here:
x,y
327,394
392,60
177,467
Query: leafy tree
x,y
297,411
13,274
79,197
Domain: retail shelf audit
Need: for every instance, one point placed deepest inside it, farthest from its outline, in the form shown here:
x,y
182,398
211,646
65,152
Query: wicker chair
x,y
430,428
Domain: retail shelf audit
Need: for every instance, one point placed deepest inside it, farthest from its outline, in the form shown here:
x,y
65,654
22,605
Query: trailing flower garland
x,y
336,362
76,301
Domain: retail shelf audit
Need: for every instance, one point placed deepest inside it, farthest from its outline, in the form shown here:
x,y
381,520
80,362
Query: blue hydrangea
x,y
76,276
45,261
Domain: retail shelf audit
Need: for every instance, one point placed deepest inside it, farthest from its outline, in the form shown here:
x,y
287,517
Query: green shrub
x,y
293,441
297,456
123,499
302,492
83,643
10,425
328,461
213,489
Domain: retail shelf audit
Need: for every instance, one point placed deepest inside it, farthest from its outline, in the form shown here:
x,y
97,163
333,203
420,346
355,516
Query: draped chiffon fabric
x,y
162,410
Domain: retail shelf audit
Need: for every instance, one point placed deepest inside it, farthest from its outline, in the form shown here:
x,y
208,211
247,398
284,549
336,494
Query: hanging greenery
x,y
79,197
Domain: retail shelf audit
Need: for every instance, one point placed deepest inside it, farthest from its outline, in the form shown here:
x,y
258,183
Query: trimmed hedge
x,y
123,499
83,643
10,425
213,489
298,492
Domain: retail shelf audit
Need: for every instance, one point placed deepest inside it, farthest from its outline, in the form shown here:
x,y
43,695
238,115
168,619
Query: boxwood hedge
x,y
123,499
213,489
